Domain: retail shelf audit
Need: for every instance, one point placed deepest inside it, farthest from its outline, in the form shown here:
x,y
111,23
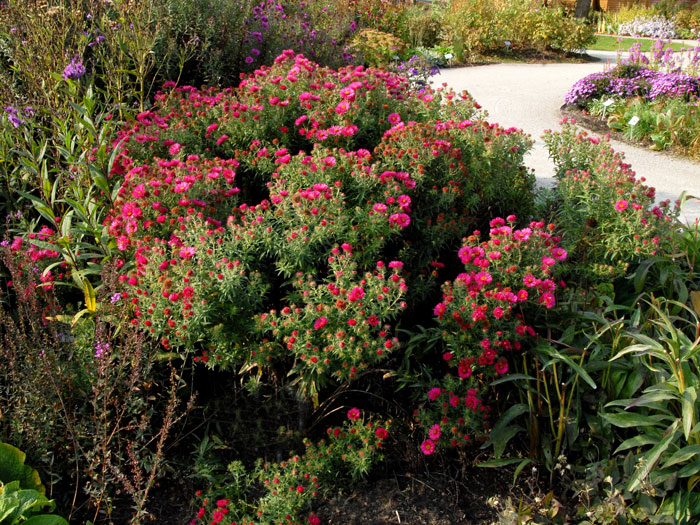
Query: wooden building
x,y
615,5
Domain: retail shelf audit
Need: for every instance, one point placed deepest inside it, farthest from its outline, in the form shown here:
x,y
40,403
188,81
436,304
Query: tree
x,y
582,8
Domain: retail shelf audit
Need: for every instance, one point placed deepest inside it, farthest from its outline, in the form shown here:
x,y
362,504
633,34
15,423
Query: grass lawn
x,y
610,43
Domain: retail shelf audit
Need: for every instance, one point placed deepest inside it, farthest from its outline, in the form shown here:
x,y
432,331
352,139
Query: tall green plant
x,y
665,436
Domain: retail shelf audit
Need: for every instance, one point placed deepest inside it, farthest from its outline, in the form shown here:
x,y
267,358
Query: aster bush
x,y
483,322
339,226
609,216
286,490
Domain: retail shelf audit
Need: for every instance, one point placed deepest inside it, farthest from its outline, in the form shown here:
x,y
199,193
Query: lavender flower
x,y
74,70
100,349
13,116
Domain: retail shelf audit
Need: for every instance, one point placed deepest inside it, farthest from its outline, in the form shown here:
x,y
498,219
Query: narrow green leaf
x,y
558,356
652,457
690,396
513,377
637,441
497,463
682,455
689,470
629,420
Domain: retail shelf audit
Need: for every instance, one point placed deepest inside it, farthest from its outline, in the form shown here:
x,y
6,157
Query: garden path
x,y
528,96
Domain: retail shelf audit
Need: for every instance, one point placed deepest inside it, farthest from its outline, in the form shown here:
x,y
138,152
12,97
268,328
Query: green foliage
x,y
507,25
377,48
91,405
22,495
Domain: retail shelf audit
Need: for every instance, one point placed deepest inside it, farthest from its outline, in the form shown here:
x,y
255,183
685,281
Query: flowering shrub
x,y
482,318
631,81
213,203
653,27
485,27
608,215
290,487
377,47
650,97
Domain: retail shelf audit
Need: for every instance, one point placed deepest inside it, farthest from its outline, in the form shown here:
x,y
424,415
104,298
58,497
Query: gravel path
x,y
528,96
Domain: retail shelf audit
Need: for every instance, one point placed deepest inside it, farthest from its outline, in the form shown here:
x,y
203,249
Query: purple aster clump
x,y
673,85
631,80
74,70
418,69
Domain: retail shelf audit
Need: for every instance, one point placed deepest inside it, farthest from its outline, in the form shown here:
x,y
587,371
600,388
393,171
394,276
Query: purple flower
x,y
100,349
74,70
13,116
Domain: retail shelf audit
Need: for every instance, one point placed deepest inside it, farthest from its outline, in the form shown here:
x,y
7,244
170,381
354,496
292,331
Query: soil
x,y
439,493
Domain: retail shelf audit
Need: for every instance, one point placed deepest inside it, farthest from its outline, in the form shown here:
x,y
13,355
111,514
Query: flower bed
x,y
647,98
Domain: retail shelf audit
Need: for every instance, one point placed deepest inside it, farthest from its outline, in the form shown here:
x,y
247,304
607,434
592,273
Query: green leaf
x,y
652,457
558,356
689,470
524,463
682,455
12,468
498,463
513,377
637,441
46,519
690,397
503,431
629,420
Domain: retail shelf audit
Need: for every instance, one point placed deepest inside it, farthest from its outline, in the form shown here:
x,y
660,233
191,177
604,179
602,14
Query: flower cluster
x,y
631,81
649,26
482,318
481,310
289,487
336,328
74,70
249,222
609,215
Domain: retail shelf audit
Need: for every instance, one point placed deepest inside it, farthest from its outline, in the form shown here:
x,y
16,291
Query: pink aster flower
x,y
347,93
547,299
394,118
353,414
342,108
356,294
174,149
621,205
401,219
501,366
320,323
559,253
434,432
427,447
434,393
465,369
530,281
187,252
